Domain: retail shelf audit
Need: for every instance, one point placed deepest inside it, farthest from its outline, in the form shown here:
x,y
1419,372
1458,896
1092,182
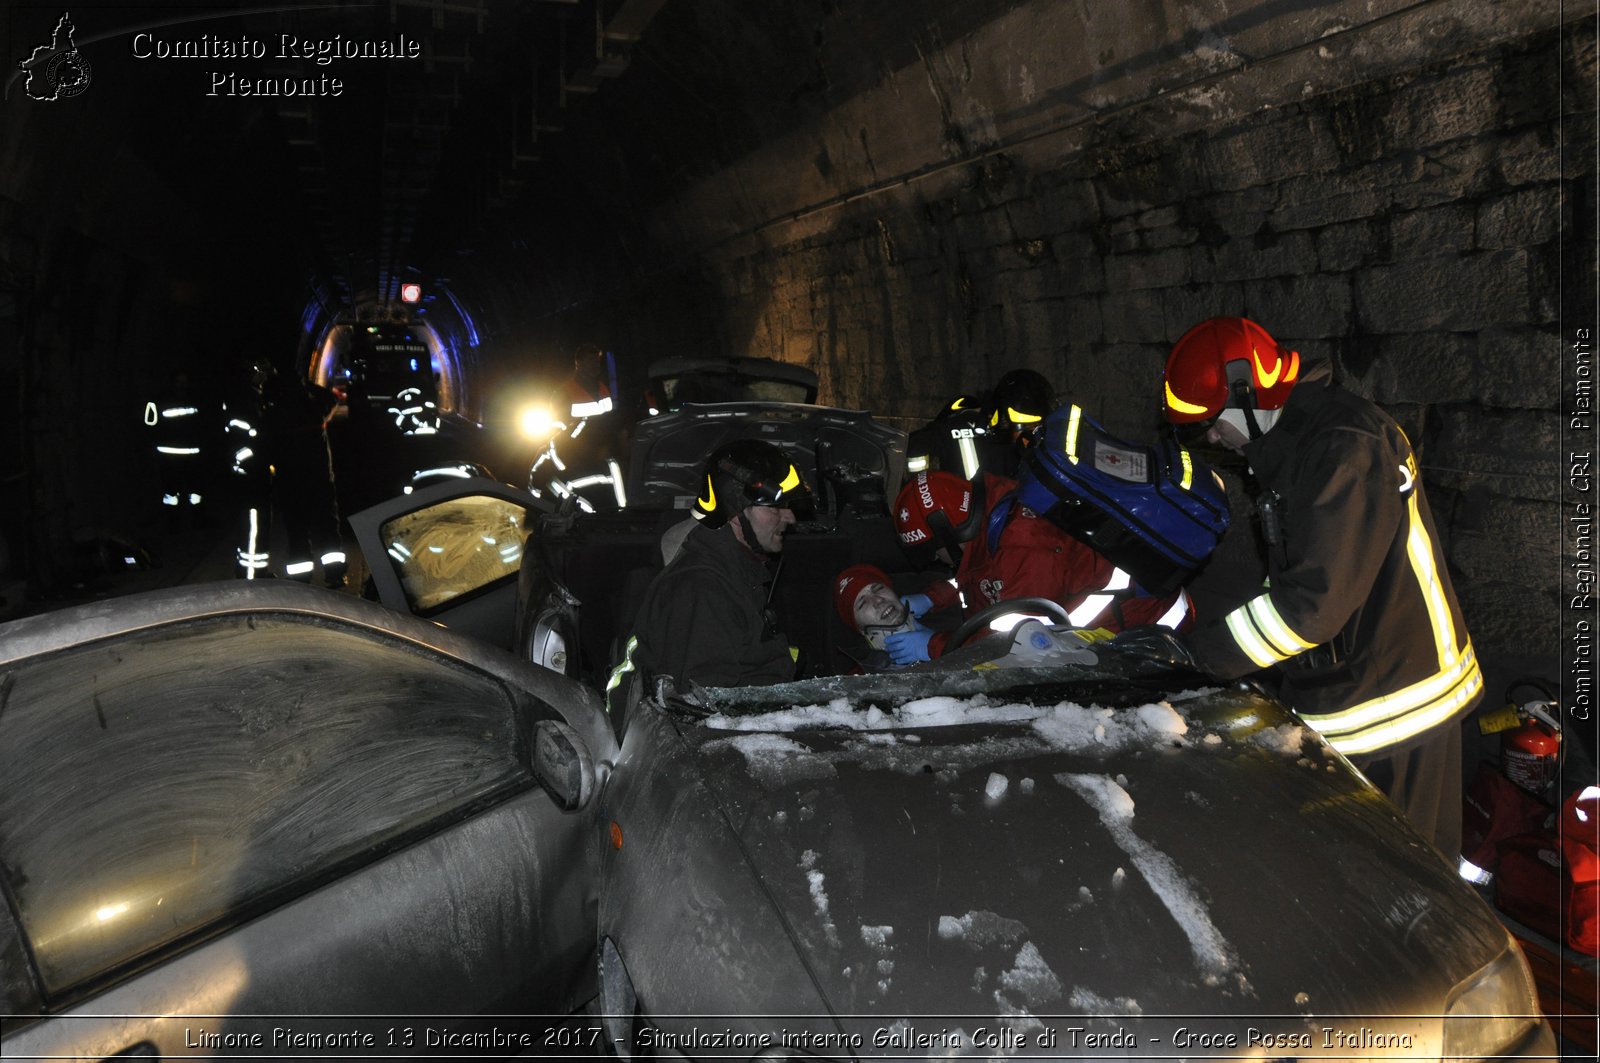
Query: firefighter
x,y
1001,550
181,424
1014,413
1357,622
295,415
706,618
955,441
250,473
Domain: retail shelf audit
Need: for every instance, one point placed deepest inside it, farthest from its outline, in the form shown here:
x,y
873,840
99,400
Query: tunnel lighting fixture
x,y
411,293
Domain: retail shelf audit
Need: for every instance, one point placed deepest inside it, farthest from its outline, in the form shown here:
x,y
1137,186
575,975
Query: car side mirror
x,y
563,765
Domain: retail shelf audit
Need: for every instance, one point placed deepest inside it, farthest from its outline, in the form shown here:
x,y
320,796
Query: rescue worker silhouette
x,y
282,454
1001,551
1013,413
957,440
250,473
1357,622
183,425
583,462
707,617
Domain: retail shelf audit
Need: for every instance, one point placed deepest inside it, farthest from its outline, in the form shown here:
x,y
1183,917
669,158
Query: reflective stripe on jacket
x,y
1358,614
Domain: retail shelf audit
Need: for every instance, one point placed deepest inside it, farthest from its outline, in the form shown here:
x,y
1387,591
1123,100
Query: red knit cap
x,y
850,583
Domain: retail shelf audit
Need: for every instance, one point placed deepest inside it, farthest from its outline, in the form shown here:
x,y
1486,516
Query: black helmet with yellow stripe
x,y
1019,402
748,472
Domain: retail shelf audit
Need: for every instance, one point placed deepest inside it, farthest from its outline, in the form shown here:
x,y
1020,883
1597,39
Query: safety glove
x,y
917,603
908,647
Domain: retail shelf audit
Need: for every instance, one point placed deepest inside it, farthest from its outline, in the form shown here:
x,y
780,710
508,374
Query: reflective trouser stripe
x,y
251,558
299,568
333,557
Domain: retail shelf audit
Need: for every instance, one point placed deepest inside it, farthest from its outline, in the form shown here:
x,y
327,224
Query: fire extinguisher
x,y
1530,737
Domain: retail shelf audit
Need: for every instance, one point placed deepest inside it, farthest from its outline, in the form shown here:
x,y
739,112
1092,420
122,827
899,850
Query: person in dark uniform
x,y
295,416
706,617
182,425
250,472
1357,622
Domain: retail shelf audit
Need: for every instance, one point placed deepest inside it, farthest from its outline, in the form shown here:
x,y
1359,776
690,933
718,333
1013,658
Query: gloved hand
x,y
909,647
1158,645
918,604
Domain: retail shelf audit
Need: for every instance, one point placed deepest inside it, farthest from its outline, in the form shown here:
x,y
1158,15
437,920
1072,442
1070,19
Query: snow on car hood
x,y
1199,854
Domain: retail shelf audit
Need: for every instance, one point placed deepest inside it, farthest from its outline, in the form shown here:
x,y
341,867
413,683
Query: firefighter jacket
x,y
1358,615
705,618
1032,558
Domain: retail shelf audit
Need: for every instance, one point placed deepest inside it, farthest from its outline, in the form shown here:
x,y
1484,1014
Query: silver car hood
x,y
1133,862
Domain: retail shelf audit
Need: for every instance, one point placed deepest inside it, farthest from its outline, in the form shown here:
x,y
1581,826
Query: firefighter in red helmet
x,y
1357,621
1001,550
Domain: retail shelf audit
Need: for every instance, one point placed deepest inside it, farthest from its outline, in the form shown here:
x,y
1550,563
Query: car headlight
x,y
1490,1011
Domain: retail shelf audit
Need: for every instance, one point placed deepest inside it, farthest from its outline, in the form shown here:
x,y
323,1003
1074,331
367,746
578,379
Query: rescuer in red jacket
x,y
1002,551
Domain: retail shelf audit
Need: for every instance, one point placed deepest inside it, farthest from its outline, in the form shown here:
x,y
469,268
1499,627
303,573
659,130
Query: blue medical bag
x,y
1156,512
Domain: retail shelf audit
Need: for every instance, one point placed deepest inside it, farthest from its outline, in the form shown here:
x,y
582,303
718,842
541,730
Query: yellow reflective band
x,y
791,481
1249,642
1399,715
994,419
1071,445
621,670
794,653
1272,626
960,403
1022,418
1188,469
1175,403
1408,712
969,456
1266,380
708,503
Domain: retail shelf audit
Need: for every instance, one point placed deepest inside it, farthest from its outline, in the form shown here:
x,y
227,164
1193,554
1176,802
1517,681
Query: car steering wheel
x,y
980,620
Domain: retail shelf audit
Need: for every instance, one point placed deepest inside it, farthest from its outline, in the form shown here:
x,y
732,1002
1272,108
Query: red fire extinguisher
x,y
1530,738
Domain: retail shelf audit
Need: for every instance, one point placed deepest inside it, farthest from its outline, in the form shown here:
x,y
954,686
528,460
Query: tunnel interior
x,y
907,198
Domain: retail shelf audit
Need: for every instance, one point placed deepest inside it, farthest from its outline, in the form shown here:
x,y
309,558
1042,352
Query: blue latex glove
x,y
918,604
908,647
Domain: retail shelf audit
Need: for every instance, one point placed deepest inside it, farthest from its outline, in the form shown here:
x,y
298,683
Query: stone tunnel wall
x,y
1408,227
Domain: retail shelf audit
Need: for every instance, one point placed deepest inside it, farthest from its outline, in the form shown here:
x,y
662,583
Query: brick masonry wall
x,y
1408,228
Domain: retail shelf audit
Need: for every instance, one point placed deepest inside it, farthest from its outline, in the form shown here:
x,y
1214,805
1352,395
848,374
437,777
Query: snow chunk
x,y
877,937
996,786
1091,1003
1118,877
978,929
1211,951
1212,740
1286,738
1026,786
1074,727
776,761
1030,977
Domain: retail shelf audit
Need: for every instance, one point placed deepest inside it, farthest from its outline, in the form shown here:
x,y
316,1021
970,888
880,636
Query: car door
x,y
451,553
282,833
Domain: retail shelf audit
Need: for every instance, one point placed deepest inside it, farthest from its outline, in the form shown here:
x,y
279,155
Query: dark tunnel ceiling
x,y
490,137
